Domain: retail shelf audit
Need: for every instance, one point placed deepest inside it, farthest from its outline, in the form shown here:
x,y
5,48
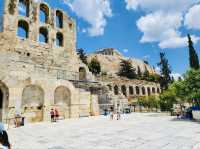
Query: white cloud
x,y
125,50
176,76
159,26
177,42
146,57
95,12
157,69
163,20
191,20
163,5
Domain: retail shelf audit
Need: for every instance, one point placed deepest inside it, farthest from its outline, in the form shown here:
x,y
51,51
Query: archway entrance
x,y
32,102
82,74
3,100
62,100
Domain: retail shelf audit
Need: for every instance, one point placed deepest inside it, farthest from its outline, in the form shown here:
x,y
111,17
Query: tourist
x,y
4,141
105,112
111,113
52,115
56,114
118,112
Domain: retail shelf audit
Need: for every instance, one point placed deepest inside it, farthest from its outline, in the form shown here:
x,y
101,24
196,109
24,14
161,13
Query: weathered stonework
x,y
36,76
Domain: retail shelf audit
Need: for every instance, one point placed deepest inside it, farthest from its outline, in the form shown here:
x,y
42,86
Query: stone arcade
x,y
39,66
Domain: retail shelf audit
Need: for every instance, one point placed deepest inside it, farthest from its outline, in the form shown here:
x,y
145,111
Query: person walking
x,y
56,114
4,141
111,113
118,112
52,115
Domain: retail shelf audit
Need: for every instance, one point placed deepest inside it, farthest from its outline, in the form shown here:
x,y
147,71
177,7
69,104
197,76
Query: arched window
x,y
43,36
143,91
82,73
23,8
44,13
158,90
59,39
153,90
131,90
137,90
116,90
123,89
59,19
110,87
148,91
23,29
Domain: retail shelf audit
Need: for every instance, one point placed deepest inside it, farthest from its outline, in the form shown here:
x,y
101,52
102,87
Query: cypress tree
x,y
165,71
82,56
193,57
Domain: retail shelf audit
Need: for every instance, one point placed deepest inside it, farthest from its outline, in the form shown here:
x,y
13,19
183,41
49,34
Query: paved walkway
x,y
134,131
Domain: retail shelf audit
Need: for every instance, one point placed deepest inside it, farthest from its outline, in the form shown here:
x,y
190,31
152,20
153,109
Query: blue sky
x,y
137,28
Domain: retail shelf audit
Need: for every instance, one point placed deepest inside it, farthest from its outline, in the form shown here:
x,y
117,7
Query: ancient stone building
x,y
38,63
40,69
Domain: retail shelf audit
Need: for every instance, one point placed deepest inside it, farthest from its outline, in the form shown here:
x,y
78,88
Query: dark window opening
x,y
43,36
23,29
23,8
59,19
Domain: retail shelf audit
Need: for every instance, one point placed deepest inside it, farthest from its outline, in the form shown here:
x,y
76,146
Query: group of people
x,y
4,141
54,114
116,112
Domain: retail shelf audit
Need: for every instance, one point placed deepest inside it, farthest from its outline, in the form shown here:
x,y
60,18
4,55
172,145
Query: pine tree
x,y
126,69
165,71
82,56
94,66
193,57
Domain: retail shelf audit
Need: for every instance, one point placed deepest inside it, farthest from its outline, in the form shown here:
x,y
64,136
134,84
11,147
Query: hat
x,y
1,127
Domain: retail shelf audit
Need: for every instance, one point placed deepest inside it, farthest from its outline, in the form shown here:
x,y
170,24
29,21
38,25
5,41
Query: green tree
x,y
167,100
193,57
191,86
82,56
165,78
126,69
94,66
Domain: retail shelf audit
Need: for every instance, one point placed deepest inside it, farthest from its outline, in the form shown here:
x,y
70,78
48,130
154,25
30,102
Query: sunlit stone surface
x,y
141,131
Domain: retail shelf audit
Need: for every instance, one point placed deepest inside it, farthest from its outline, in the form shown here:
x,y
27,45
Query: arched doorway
x,y
62,100
116,90
123,89
32,102
3,100
82,73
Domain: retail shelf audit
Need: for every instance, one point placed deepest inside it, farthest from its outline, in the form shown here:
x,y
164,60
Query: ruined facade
x,y
40,69
37,61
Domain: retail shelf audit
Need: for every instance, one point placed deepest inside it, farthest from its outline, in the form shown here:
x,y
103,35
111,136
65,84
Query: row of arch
x,y
23,32
137,90
33,100
44,13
